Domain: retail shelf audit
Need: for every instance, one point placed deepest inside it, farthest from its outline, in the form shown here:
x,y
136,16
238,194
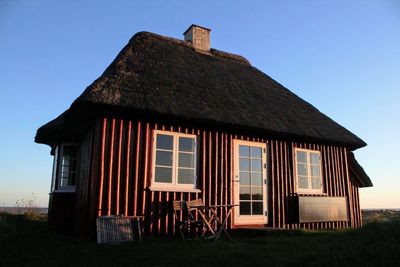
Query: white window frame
x,y
56,178
55,169
309,190
174,186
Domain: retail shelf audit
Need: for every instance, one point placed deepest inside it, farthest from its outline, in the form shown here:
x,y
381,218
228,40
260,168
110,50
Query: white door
x,y
250,184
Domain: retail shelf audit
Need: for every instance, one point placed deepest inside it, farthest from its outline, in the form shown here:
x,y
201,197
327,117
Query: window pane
x,y
314,158
302,169
65,169
244,178
256,193
67,172
256,165
164,158
71,180
186,160
65,160
256,179
163,175
64,175
256,152
244,193
244,151
316,183
315,171
72,164
64,182
186,176
301,156
165,141
186,144
257,208
303,182
244,164
244,208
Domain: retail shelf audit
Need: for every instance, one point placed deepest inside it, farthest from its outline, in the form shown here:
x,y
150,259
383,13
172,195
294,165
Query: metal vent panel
x,y
113,229
322,209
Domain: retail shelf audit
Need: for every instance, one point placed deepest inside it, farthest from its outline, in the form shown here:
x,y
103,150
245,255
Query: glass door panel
x,y
251,197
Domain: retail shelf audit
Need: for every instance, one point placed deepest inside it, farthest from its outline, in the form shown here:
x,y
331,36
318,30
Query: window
x,y
174,160
308,169
65,168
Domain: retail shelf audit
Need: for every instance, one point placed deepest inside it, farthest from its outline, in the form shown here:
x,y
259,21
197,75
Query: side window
x,y
308,171
65,167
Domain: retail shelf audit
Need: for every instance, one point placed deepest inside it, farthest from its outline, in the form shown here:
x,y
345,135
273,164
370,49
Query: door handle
x,y
236,181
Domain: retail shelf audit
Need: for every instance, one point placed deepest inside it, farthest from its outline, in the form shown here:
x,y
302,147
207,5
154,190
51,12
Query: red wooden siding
x,y
121,175
70,211
61,211
81,208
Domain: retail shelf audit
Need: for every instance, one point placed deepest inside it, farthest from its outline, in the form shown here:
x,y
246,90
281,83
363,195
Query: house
x,y
177,120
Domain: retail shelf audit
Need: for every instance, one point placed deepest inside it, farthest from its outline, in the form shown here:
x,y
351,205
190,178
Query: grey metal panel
x,y
322,209
114,229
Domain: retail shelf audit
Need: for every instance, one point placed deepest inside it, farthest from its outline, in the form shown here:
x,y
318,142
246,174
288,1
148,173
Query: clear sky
x,y
341,56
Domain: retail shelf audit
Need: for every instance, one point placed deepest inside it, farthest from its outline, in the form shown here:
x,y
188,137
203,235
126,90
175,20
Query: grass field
x,y
25,241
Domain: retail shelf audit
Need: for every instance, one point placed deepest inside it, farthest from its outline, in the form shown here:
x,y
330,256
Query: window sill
x,y
174,189
63,191
311,193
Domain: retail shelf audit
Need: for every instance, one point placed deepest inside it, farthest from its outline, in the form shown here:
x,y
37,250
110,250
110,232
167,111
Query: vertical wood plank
x,y
278,184
338,174
294,181
215,196
209,167
273,183
147,146
232,173
110,170
221,173
283,179
289,186
127,174
226,171
203,171
117,193
103,144
136,177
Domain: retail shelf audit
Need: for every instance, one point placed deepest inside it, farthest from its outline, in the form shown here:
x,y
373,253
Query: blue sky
x,y
341,56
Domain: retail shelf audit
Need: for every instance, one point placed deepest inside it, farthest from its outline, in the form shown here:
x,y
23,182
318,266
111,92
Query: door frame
x,y
249,219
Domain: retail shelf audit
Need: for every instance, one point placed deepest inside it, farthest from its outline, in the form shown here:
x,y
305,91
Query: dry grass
x,y
382,215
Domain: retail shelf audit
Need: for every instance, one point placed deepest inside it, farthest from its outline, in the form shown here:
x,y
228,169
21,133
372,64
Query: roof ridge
x,y
213,52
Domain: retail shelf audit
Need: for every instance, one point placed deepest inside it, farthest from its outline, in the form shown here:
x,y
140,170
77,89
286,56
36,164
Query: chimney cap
x,y
195,25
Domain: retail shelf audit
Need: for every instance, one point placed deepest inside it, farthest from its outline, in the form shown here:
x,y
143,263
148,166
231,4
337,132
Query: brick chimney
x,y
199,37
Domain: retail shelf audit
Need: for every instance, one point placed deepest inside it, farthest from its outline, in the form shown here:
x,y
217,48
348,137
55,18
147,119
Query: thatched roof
x,y
165,76
357,173
51,131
